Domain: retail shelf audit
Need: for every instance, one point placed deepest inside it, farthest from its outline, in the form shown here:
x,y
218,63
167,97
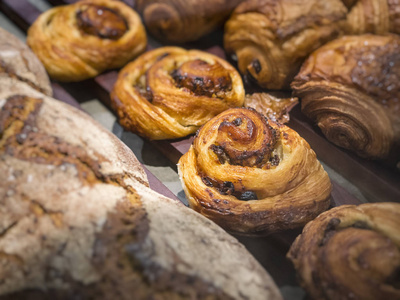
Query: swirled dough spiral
x,y
253,176
81,40
170,92
350,87
271,38
351,252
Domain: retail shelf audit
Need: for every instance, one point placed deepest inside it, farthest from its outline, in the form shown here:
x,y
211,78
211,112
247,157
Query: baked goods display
x,y
18,61
271,38
253,176
351,252
81,40
350,88
78,220
372,16
182,21
170,92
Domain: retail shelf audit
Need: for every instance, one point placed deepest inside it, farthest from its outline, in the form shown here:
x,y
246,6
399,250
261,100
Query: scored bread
x,y
78,220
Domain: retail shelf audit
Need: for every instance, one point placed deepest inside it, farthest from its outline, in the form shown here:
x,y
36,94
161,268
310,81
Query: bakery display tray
x,y
376,181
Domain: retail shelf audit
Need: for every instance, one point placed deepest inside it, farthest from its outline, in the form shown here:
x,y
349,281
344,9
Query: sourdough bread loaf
x,y
78,220
18,61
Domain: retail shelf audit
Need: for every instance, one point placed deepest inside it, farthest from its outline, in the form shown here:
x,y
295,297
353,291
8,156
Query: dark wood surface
x,y
374,180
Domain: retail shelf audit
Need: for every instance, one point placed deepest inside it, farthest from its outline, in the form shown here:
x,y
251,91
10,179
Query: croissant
x,y
253,176
372,16
350,252
18,61
271,38
350,87
81,40
170,92
182,21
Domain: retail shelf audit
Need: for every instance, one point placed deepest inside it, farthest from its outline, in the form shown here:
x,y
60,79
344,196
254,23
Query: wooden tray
x,y
377,182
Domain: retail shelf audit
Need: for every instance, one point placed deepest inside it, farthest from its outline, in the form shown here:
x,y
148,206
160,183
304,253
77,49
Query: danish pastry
x,y
183,21
81,40
170,92
350,252
350,88
253,176
78,221
271,38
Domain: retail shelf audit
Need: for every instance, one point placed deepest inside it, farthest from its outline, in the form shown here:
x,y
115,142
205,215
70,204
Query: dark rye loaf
x,y
78,221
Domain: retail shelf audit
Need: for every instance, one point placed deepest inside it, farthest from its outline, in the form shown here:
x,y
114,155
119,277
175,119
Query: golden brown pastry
x,y
18,61
351,252
78,221
271,38
274,108
253,176
81,40
372,16
170,92
184,20
350,88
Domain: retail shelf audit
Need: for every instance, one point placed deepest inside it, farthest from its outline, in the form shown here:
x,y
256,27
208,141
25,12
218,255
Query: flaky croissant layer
x,y
253,176
350,87
81,40
271,38
351,252
170,92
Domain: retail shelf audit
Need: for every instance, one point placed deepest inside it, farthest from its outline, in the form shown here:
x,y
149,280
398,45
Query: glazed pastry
x,y
271,38
351,252
170,92
77,220
81,40
183,21
350,88
372,16
253,176
274,108
18,61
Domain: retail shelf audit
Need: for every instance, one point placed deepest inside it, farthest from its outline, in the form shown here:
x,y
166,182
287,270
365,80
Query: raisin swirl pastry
x,y
350,87
81,40
182,21
372,16
271,38
169,92
351,252
253,176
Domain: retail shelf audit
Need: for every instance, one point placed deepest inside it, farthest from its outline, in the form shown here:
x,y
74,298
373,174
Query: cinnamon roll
x,y
351,252
170,92
183,21
372,16
253,176
271,38
81,40
350,88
